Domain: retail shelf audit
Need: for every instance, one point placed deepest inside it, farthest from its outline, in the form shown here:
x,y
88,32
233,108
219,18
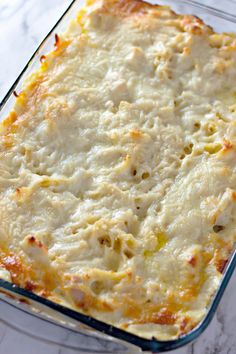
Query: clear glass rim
x,y
153,345
216,12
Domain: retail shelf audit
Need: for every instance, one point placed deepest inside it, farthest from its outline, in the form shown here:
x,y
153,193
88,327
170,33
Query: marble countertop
x,y
23,25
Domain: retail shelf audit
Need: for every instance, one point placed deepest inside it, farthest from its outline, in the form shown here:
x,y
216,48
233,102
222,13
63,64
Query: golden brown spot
x,y
13,264
188,294
7,123
57,41
60,45
45,293
184,325
22,194
186,51
126,7
124,326
193,261
227,145
36,88
163,317
34,242
50,279
7,142
219,261
23,275
30,286
136,133
44,67
42,58
193,25
220,264
20,97
189,290
31,239
131,308
129,274
207,257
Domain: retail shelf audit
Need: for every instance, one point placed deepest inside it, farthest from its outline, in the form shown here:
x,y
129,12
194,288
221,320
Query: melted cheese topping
x,y
117,183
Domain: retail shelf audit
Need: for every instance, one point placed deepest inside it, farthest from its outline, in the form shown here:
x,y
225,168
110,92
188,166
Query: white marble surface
x,y
23,24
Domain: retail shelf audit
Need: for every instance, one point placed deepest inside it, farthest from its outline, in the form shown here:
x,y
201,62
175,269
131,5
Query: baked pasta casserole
x,y
117,169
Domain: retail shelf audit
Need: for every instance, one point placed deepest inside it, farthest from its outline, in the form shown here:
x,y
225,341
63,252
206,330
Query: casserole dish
x,y
114,331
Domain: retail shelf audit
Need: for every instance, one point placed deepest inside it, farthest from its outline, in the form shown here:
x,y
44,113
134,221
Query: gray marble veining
x,y
23,25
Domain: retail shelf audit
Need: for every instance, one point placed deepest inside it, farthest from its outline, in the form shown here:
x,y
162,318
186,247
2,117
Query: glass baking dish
x,y
58,324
